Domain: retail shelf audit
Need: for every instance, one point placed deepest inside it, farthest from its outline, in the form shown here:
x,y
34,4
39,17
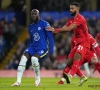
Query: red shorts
x,y
87,57
81,48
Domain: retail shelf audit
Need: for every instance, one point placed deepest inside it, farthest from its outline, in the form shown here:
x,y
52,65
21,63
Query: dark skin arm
x,y
51,56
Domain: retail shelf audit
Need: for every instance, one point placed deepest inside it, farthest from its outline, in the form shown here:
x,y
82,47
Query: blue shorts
x,y
41,52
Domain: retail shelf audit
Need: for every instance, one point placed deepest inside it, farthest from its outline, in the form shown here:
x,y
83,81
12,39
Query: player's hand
x,y
50,29
51,57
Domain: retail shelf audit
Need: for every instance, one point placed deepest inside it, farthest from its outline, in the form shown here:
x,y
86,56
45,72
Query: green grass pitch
x,y
49,84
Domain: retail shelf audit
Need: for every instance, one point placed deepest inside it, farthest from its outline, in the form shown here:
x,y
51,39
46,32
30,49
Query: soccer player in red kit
x,y
98,42
90,57
82,44
97,49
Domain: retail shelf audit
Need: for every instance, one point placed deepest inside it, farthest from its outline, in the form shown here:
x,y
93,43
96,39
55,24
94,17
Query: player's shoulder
x,y
70,20
43,21
80,17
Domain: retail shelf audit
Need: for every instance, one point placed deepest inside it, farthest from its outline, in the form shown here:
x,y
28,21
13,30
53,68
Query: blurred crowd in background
x,y
49,5
9,32
8,36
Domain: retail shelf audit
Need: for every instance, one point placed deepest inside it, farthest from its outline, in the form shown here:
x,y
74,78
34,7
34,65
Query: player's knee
x,y
94,60
23,60
27,55
77,56
69,62
34,61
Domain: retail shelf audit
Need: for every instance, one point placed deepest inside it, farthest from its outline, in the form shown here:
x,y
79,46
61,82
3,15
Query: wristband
x,y
57,29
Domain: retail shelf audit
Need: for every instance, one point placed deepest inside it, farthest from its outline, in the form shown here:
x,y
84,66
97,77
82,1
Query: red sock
x,y
66,70
79,73
97,66
74,67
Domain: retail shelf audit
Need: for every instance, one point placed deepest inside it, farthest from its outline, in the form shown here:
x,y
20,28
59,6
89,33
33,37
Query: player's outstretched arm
x,y
65,28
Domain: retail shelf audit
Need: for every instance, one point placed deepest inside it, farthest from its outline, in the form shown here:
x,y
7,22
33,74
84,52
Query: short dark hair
x,y
76,4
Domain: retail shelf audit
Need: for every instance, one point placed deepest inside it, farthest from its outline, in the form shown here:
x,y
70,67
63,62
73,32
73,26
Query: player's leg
x,y
86,67
95,62
79,54
87,58
67,68
35,64
92,72
65,71
22,66
71,55
83,78
90,58
36,68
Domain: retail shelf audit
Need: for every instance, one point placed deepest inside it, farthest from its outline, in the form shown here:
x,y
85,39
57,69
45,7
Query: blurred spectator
x,y
48,19
98,25
2,23
47,64
2,43
16,5
0,4
60,61
98,38
59,5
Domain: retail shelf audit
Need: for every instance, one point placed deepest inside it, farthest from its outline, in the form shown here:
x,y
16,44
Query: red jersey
x,y
93,44
81,31
72,42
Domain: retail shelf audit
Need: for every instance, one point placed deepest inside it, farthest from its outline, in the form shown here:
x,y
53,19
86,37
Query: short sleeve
x,y
68,23
46,24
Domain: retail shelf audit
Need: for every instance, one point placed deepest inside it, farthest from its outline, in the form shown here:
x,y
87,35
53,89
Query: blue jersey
x,y
40,38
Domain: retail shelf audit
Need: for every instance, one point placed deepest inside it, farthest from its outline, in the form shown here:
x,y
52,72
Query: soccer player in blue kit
x,y
41,44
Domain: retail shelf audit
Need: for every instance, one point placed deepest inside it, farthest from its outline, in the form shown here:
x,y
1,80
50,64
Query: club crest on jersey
x,y
39,28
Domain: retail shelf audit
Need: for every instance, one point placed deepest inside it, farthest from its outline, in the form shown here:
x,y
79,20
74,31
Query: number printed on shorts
x,y
80,47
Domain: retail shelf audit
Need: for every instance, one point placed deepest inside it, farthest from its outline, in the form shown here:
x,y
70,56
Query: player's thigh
x,y
30,50
42,53
87,58
81,50
72,52
69,62
82,61
94,59
90,57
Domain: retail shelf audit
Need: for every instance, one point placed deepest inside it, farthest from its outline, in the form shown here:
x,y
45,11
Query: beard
x,y
73,14
35,20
